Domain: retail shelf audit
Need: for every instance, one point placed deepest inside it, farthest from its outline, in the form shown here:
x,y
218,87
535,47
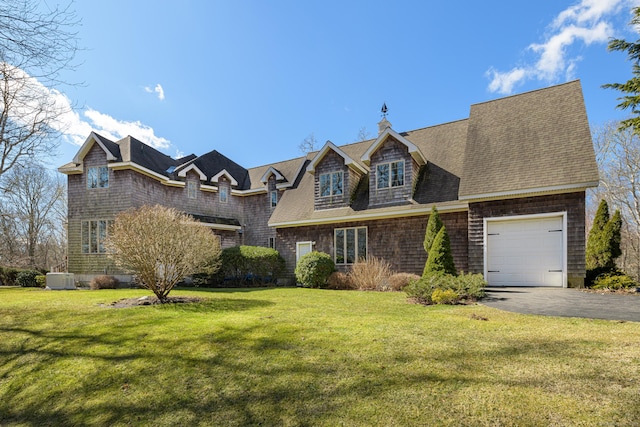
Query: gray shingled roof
x,y
533,140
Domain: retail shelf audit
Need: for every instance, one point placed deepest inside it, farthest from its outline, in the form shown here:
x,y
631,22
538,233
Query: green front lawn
x,y
306,357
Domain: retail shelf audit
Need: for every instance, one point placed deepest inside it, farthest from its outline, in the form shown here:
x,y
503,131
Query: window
x,y
390,174
94,235
192,188
98,177
350,244
274,199
224,194
331,184
272,242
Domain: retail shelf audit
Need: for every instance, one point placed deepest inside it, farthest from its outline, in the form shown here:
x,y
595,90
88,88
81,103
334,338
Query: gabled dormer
x,y
336,176
394,164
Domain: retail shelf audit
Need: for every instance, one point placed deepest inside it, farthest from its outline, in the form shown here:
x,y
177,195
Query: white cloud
x,y
118,129
585,22
158,89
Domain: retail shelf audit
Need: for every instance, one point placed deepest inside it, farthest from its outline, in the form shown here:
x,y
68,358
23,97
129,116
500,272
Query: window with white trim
x,y
274,198
98,177
192,189
224,194
94,235
390,174
272,242
350,244
331,184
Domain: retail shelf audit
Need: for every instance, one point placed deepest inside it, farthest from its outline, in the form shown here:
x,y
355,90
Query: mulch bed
x,y
150,300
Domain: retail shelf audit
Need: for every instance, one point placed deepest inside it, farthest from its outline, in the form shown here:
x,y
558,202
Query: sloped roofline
x,y
224,172
192,166
413,149
271,170
311,168
86,146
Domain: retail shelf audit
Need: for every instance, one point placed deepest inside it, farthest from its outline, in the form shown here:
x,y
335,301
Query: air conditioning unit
x,y
60,281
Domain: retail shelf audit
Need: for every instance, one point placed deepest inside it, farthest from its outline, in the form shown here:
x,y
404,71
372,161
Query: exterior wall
x,y
391,151
257,211
332,162
398,241
572,203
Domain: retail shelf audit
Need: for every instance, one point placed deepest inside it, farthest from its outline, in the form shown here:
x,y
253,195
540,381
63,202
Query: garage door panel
x,y
525,252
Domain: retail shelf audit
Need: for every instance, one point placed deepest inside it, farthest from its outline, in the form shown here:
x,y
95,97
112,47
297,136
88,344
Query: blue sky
x,y
252,79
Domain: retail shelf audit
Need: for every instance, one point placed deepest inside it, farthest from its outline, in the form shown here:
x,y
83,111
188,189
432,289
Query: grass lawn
x,y
295,357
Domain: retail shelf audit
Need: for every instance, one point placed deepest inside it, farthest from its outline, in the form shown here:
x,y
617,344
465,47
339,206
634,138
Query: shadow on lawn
x,y
263,371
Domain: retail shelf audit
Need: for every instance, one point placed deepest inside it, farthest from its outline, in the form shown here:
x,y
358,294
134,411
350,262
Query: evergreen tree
x,y
440,259
596,242
612,232
433,227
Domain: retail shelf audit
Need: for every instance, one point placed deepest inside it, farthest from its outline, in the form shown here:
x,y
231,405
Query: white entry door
x,y
525,252
303,248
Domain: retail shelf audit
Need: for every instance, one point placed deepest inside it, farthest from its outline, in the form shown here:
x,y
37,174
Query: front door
x,y
303,248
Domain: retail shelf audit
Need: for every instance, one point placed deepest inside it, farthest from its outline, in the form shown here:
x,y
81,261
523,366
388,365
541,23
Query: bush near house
x,y
399,281
614,282
254,265
27,278
8,276
104,282
371,274
313,269
340,281
430,288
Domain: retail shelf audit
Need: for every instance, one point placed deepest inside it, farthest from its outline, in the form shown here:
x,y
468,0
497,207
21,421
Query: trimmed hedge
x,y
255,265
313,269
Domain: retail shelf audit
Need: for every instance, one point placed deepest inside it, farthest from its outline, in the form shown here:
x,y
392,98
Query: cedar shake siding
x,y
527,155
398,241
572,203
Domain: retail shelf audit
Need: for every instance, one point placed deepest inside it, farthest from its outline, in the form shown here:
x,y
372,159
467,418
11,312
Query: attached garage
x,y
526,250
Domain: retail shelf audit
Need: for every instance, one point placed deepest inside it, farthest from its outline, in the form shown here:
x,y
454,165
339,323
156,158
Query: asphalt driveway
x,y
565,302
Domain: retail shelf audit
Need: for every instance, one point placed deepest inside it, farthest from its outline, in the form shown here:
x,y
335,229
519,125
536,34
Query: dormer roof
x,y
110,148
388,132
192,167
350,162
269,172
223,172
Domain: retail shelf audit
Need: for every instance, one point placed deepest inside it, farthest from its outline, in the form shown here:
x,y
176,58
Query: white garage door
x,y
525,252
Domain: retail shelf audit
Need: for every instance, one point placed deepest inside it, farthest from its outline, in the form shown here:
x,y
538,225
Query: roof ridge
x,y
528,92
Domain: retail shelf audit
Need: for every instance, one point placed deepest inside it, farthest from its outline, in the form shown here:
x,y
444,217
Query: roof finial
x,y
384,110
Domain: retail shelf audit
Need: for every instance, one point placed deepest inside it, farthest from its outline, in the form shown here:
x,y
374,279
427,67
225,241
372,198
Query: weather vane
x,y
384,110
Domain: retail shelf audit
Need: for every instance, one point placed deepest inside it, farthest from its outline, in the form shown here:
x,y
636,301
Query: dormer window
x,y
224,194
192,189
331,184
274,199
98,177
390,174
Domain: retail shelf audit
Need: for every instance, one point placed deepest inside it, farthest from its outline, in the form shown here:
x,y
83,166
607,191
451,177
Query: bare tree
x,y
363,134
618,157
35,46
31,198
162,246
309,144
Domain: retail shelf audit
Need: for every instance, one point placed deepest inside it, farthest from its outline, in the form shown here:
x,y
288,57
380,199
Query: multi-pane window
x,y
192,188
350,244
224,194
94,235
274,199
331,184
272,242
390,174
98,177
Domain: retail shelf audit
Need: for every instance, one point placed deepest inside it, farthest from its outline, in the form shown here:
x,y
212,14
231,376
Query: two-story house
x,y
509,182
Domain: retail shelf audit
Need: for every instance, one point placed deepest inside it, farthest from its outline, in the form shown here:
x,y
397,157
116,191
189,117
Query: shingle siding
x,y
391,151
332,162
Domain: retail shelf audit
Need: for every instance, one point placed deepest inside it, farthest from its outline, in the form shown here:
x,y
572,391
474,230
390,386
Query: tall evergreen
x,y
613,235
596,242
433,227
440,259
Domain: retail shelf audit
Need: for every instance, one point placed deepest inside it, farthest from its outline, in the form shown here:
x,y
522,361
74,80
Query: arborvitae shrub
x,y
440,259
313,269
434,224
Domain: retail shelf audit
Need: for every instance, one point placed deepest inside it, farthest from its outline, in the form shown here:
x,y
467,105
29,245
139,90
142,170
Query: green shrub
x,y
313,269
104,282
445,296
468,287
250,264
399,281
27,278
340,281
614,282
41,280
8,276
440,259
